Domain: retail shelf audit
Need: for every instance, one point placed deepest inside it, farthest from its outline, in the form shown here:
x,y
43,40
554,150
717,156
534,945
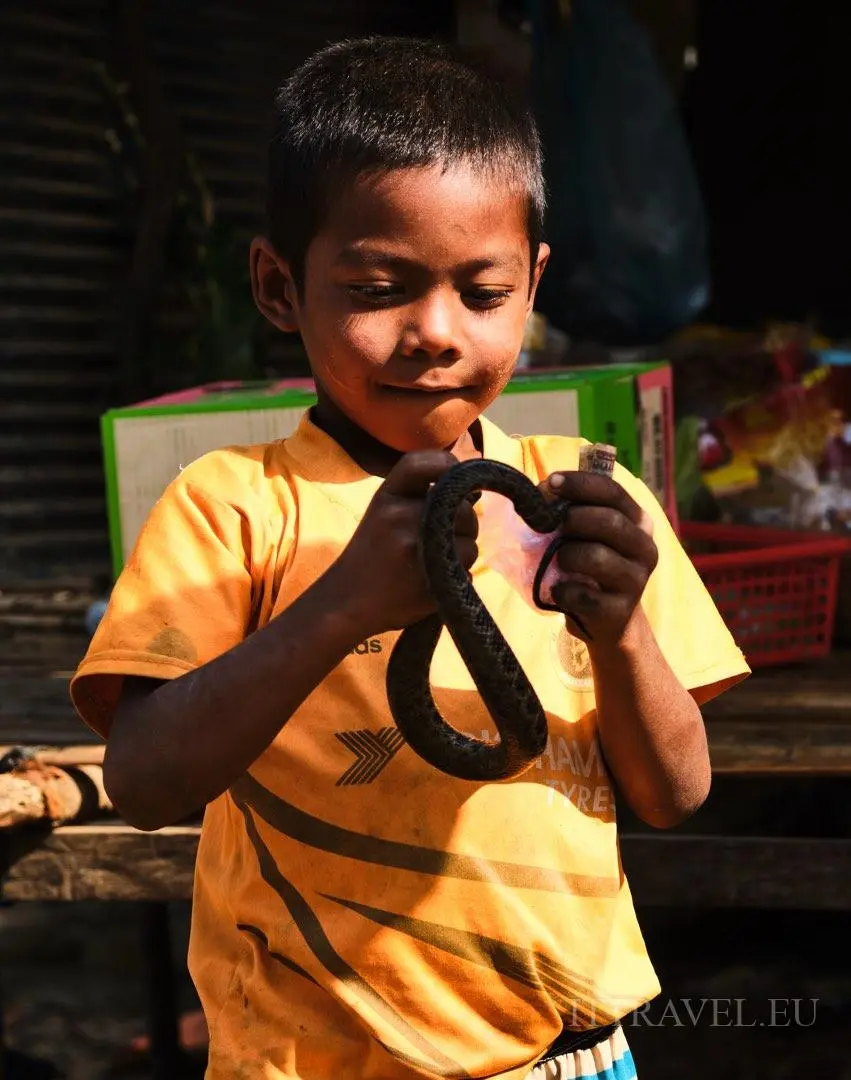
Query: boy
x,y
357,914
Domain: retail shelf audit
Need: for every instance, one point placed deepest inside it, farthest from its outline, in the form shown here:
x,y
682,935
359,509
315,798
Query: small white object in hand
x,y
598,458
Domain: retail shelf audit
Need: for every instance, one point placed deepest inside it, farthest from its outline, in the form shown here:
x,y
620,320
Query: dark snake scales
x,y
505,690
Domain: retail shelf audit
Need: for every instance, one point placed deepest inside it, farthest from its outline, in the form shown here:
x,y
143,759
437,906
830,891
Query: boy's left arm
x,y
650,728
657,645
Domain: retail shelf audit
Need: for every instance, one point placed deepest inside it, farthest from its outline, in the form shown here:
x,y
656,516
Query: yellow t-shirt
x,y
358,914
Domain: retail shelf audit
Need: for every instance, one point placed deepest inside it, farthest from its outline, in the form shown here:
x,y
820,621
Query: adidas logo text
x,y
371,646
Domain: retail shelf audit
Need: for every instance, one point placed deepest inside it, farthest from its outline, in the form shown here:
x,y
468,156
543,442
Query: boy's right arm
x,y
176,745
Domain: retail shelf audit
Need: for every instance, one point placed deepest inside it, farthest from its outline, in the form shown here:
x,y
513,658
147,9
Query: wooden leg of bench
x,y
3,1055
165,1051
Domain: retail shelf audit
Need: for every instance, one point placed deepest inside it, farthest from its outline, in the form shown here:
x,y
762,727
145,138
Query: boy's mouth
x,y
415,389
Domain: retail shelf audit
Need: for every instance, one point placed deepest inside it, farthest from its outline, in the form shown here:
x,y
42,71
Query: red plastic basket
x,y
776,589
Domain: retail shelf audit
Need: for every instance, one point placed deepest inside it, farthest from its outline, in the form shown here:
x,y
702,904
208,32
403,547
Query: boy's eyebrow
x,y
361,257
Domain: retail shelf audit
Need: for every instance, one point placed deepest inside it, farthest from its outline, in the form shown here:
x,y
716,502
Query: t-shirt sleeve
x,y
691,633
183,598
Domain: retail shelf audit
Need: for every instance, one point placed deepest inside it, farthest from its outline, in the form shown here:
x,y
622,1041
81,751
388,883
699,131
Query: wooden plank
x,y
50,89
40,507
791,720
38,712
58,442
73,252
99,862
62,157
35,666
26,475
27,122
56,219
18,348
45,283
801,873
64,730
70,583
48,620
51,59
36,603
44,378
42,313
754,734
757,747
111,861
67,755
68,189
42,24
820,687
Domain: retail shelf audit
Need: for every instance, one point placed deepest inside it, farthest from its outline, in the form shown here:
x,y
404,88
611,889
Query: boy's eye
x,y
376,292
382,293
485,299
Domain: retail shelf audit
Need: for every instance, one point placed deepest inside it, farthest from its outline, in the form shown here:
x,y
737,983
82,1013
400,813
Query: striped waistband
x,y
571,1041
607,1058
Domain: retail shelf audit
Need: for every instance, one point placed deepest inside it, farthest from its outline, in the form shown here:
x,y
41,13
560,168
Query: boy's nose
x,y
432,329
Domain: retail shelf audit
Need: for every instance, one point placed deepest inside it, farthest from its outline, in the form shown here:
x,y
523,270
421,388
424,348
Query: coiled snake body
x,y
505,690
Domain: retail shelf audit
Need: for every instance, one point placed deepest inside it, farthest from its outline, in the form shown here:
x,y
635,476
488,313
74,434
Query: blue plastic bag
x,y
626,219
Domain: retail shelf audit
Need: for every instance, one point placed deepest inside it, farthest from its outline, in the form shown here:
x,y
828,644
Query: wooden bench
x,y
781,727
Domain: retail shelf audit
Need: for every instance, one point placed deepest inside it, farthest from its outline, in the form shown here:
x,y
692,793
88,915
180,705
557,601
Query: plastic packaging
x,y
507,544
626,222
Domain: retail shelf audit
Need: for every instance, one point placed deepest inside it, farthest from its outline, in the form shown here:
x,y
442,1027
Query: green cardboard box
x,y
634,411
146,444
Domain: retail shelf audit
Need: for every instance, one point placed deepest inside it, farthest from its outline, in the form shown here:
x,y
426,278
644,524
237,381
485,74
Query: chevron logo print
x,y
373,751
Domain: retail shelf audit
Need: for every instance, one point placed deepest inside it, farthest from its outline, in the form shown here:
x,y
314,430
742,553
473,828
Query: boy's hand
x,y
379,572
606,559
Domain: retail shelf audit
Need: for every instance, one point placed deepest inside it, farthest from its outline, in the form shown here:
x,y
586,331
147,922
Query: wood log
x,y
37,791
20,801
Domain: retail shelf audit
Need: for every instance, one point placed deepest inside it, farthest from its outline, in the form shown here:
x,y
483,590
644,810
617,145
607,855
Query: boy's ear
x,y
537,272
272,286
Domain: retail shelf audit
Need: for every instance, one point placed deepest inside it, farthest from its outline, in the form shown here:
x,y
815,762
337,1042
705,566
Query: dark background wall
x,y
73,262
769,112
766,110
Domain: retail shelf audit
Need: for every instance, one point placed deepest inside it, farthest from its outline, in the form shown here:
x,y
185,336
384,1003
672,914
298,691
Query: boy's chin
x,y
425,437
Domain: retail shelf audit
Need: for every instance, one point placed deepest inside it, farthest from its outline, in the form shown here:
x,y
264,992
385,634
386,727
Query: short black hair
x,y
377,104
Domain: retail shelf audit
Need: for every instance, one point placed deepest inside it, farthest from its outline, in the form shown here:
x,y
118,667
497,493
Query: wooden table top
x,y
110,861
792,720
789,720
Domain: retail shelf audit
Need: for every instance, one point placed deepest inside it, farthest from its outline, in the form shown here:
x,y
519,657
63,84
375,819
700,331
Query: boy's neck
x,y
368,453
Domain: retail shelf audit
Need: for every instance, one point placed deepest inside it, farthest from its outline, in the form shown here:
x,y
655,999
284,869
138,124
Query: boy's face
x,y
415,299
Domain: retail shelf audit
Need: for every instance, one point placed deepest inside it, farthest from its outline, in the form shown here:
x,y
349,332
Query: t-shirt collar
x,y
323,461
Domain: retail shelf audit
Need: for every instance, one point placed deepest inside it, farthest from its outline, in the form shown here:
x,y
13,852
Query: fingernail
x,y
556,481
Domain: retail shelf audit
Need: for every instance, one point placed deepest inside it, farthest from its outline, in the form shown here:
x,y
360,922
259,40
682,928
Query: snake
x,y
499,677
